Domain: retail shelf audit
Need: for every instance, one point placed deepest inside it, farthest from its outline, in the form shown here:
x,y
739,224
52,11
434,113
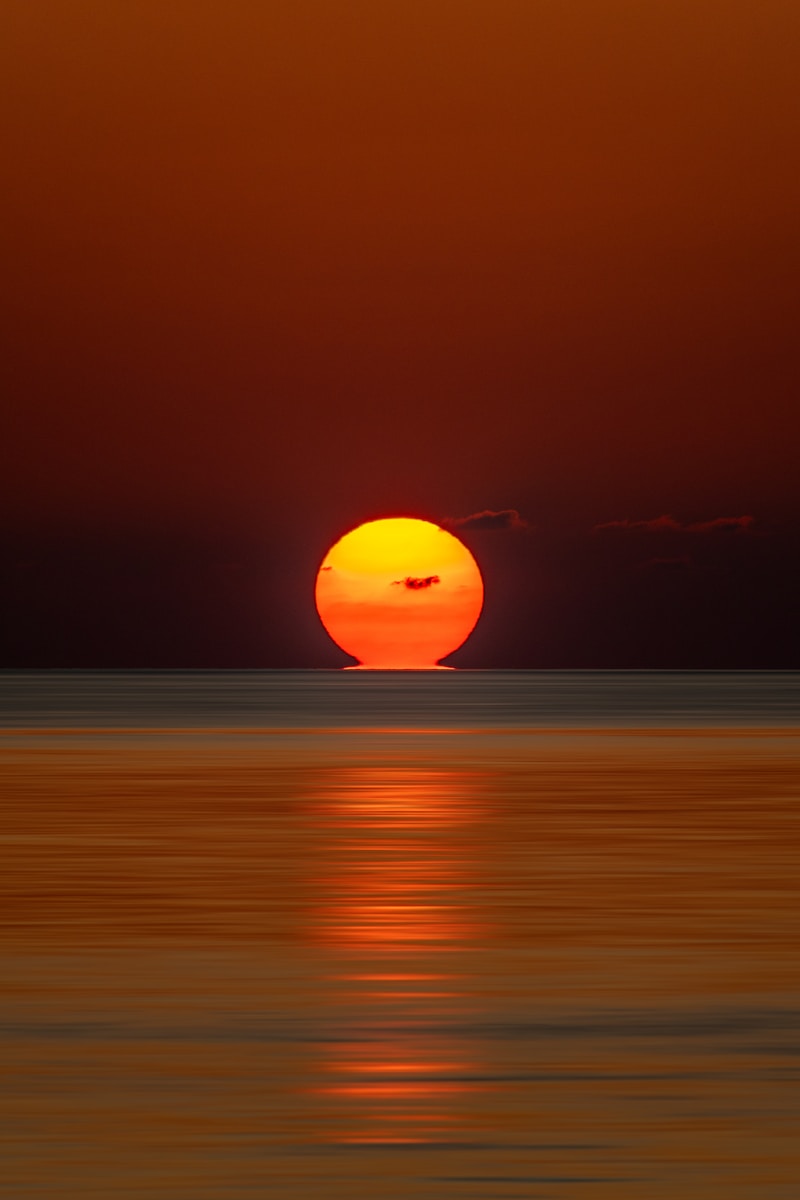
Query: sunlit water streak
x,y
500,960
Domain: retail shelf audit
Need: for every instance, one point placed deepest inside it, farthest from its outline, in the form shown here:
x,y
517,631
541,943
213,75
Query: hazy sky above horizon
x,y
277,268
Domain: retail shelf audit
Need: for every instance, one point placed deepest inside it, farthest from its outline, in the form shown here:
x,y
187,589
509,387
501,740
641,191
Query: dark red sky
x,y
277,267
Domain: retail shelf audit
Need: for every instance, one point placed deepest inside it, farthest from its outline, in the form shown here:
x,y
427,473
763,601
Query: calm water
x,y
397,699
446,935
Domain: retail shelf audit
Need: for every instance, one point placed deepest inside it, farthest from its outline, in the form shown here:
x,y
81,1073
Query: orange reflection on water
x,y
390,889
396,797
406,1066
396,886
393,977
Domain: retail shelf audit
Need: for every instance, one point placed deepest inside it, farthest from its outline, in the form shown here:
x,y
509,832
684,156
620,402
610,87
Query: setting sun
x,y
399,593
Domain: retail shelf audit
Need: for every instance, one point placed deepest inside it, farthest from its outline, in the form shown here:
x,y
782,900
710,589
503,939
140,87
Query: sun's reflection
x,y
396,925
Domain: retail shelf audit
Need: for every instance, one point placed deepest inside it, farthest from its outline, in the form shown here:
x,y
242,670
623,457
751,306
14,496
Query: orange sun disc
x,y
399,593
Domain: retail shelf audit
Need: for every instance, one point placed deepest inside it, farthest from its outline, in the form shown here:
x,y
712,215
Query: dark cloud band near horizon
x,y
668,524
505,518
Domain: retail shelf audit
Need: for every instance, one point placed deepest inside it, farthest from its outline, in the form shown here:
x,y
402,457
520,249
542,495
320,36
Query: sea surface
x,y
452,935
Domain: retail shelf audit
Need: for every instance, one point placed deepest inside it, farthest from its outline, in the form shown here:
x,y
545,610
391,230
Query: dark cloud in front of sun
x,y
415,584
505,518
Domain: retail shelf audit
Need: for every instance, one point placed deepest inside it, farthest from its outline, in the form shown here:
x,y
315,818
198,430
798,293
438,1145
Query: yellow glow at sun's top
x,y
399,593
385,546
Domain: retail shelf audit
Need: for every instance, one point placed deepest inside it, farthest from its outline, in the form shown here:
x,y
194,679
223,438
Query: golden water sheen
x,y
479,964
